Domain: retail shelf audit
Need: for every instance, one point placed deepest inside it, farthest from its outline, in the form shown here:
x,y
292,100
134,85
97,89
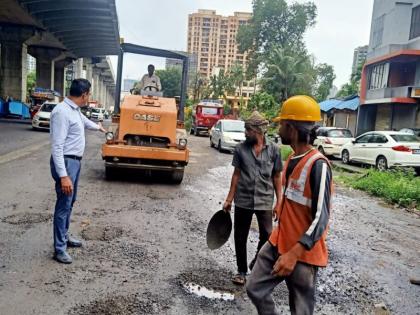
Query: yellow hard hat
x,y
300,108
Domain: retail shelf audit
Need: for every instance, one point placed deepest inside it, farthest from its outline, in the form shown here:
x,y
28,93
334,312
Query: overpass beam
x,y
13,61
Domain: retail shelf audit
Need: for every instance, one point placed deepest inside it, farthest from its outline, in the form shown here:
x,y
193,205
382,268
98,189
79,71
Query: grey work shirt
x,y
255,188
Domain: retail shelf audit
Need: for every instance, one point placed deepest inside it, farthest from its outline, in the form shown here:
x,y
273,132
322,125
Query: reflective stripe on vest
x,y
295,188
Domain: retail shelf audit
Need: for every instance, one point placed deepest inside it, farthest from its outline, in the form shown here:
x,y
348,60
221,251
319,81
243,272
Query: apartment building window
x,y
378,76
415,23
378,31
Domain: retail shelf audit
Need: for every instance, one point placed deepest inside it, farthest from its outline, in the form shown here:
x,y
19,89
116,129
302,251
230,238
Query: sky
x,y
342,25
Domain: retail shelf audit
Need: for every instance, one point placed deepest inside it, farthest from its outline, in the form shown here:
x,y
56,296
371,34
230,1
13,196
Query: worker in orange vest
x,y
296,247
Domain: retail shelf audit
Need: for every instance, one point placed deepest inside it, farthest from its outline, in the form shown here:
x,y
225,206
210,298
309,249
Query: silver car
x,y
227,134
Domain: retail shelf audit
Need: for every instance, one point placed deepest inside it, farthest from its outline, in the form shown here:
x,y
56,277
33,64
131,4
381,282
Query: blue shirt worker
x,y
67,134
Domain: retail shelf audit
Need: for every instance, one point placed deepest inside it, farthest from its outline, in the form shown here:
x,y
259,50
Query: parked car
x,y
384,149
330,140
413,131
97,113
227,134
205,115
42,118
86,110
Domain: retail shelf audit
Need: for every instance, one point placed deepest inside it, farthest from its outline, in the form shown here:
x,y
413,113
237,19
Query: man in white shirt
x,y
67,134
149,82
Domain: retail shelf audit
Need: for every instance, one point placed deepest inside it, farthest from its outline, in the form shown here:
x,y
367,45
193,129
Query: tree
x,y
171,81
287,74
220,85
197,83
237,76
30,81
264,103
325,77
275,23
352,87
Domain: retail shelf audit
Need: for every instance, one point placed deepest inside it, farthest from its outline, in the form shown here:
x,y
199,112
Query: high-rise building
x,y
30,63
212,38
359,57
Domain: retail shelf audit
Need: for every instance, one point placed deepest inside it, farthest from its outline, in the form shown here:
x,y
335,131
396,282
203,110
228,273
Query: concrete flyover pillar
x,y
59,66
78,69
45,65
95,84
89,69
13,61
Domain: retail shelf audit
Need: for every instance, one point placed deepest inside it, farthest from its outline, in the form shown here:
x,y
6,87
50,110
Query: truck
x,y
205,115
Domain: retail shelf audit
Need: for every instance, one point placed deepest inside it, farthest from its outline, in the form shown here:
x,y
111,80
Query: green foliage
x,y
275,23
30,81
396,186
264,103
352,87
325,77
171,81
274,41
287,73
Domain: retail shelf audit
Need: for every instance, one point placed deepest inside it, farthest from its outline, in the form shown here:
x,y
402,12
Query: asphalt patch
x,y
27,218
123,305
101,233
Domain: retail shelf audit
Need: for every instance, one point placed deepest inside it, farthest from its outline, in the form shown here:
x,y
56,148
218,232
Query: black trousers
x,y
242,224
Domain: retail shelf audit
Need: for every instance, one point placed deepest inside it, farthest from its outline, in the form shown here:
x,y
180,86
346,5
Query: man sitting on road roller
x,y
149,82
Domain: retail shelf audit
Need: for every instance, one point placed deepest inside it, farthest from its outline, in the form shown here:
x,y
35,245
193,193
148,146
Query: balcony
x,y
390,92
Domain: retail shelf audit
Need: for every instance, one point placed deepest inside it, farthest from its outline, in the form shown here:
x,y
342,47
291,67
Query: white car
x,y
97,113
226,134
42,118
384,149
330,140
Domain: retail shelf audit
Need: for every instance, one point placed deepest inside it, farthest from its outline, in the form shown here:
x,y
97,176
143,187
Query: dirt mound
x,y
123,305
102,233
27,218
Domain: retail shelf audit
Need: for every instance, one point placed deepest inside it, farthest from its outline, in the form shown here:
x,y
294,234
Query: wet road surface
x,y
145,249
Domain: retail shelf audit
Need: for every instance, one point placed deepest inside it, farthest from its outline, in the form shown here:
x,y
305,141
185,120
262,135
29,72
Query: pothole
x,y
123,305
209,283
102,233
27,218
201,291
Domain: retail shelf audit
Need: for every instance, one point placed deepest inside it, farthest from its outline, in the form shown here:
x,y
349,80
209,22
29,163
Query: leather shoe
x,y
63,258
72,242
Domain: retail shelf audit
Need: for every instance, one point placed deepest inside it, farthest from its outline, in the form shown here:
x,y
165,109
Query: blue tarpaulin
x,y
19,109
350,103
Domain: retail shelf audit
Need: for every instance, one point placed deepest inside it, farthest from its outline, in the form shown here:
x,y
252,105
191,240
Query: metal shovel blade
x,y
219,229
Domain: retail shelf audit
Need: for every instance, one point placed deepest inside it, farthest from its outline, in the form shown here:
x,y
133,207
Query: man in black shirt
x,y
256,177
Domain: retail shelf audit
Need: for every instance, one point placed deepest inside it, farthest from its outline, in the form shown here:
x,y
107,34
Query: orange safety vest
x,y
295,216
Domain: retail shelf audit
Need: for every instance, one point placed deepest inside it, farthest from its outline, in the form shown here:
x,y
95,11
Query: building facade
x,y
359,57
212,38
390,85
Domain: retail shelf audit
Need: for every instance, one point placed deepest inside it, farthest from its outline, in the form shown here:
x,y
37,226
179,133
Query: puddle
x,y
27,218
201,291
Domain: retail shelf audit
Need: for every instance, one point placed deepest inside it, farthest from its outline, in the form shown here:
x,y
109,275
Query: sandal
x,y
239,279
